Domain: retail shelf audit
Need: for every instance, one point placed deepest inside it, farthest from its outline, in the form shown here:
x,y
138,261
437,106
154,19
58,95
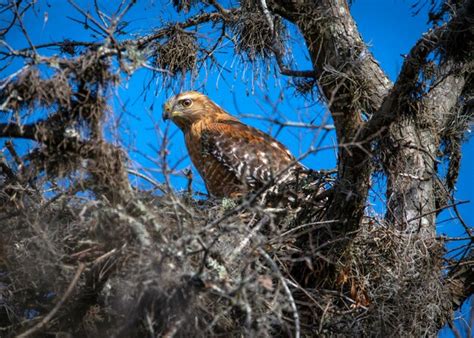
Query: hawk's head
x,y
189,107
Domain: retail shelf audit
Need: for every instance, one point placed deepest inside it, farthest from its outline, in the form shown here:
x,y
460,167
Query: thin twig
x,y
296,316
157,185
292,124
218,6
22,26
12,150
56,308
438,210
88,16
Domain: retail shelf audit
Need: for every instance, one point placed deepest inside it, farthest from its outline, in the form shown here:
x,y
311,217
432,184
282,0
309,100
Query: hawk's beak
x,y
167,111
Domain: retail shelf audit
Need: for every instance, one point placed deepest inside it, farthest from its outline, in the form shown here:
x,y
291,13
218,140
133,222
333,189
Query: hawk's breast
x,y
233,157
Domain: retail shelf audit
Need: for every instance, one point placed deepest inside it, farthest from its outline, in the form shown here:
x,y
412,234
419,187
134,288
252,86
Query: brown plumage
x,y
232,158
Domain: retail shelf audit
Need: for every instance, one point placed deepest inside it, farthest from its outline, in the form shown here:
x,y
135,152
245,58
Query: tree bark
x,y
411,159
353,85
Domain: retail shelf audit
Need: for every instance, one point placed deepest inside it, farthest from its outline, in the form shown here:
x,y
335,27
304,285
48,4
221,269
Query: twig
x,y
27,131
284,70
56,308
244,243
22,26
188,173
88,16
191,22
468,262
438,210
455,330
156,69
294,309
299,227
157,185
12,150
100,13
222,10
4,82
125,10
5,169
292,124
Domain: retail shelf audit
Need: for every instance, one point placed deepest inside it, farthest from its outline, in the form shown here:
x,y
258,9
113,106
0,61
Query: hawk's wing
x,y
251,155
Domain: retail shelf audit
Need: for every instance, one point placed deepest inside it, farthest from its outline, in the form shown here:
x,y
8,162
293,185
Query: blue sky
x,y
389,27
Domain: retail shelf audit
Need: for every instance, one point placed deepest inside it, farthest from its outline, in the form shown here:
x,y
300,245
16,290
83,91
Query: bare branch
x,y
22,26
294,308
292,124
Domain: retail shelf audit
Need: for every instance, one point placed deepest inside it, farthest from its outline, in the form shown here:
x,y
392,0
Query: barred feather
x,y
232,158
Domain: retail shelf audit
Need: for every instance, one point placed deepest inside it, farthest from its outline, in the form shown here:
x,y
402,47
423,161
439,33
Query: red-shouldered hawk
x,y
231,157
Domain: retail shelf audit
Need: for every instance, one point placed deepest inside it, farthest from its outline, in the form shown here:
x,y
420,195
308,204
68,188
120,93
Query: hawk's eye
x,y
186,102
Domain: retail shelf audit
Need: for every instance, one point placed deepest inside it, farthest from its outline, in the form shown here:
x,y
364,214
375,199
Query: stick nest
x,y
178,53
255,38
163,265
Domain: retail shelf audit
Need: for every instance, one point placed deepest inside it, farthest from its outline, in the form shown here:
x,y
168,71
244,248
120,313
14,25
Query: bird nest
x,y
173,265
256,32
178,53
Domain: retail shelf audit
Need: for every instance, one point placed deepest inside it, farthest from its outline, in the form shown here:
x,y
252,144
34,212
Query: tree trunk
x,y
353,85
411,159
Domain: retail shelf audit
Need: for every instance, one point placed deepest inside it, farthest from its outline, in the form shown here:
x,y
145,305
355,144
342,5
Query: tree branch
x,y
13,130
191,22
412,120
291,124
398,99
353,84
